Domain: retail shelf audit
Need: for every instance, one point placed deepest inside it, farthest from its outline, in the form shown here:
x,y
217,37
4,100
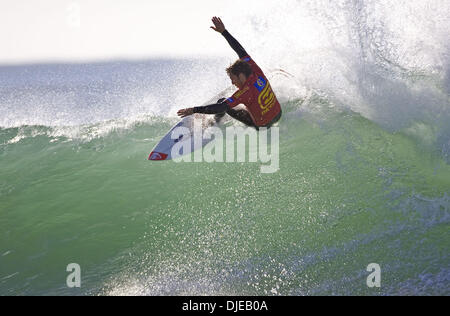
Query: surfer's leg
x,y
242,116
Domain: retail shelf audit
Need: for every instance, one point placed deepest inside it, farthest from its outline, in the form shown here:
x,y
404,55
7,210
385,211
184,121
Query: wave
x,y
364,164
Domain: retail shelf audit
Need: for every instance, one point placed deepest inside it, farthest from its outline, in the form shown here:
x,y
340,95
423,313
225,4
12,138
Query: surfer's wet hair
x,y
239,67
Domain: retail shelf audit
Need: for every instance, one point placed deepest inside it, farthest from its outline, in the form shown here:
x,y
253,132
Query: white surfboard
x,y
163,150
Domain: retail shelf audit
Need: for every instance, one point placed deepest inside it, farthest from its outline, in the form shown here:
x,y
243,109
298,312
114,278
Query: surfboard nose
x,y
157,156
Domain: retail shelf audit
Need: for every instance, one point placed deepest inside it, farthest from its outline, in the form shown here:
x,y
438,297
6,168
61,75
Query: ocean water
x,y
364,173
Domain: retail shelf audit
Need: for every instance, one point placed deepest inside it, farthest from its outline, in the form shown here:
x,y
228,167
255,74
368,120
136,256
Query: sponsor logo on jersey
x,y
260,84
266,97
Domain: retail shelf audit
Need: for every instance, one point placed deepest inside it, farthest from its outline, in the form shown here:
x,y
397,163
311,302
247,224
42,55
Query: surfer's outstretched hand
x,y
185,112
218,25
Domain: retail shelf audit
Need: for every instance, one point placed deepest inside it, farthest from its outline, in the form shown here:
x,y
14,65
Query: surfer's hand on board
x,y
218,25
185,112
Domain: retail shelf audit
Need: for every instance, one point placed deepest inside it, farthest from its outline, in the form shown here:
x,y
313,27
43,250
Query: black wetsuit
x,y
221,107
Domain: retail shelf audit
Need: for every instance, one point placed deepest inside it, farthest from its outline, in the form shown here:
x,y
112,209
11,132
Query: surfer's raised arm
x,y
220,27
221,106
261,107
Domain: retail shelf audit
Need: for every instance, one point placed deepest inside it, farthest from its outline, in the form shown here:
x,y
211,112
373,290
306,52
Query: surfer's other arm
x,y
207,109
220,27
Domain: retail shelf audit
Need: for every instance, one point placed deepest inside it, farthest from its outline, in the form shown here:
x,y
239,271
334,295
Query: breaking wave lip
x,y
102,128
83,133
312,105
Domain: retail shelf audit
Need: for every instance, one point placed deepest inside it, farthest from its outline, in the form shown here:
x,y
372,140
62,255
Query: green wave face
x,y
348,193
364,165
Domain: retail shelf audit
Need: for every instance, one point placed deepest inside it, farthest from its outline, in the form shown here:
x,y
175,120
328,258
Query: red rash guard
x,y
257,95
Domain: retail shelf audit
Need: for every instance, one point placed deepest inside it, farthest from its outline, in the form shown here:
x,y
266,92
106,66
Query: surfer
x,y
262,108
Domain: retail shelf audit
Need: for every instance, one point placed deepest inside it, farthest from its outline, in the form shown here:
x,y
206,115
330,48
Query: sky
x,y
86,30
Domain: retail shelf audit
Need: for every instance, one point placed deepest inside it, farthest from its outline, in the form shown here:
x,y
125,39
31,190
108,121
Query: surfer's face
x,y
238,81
